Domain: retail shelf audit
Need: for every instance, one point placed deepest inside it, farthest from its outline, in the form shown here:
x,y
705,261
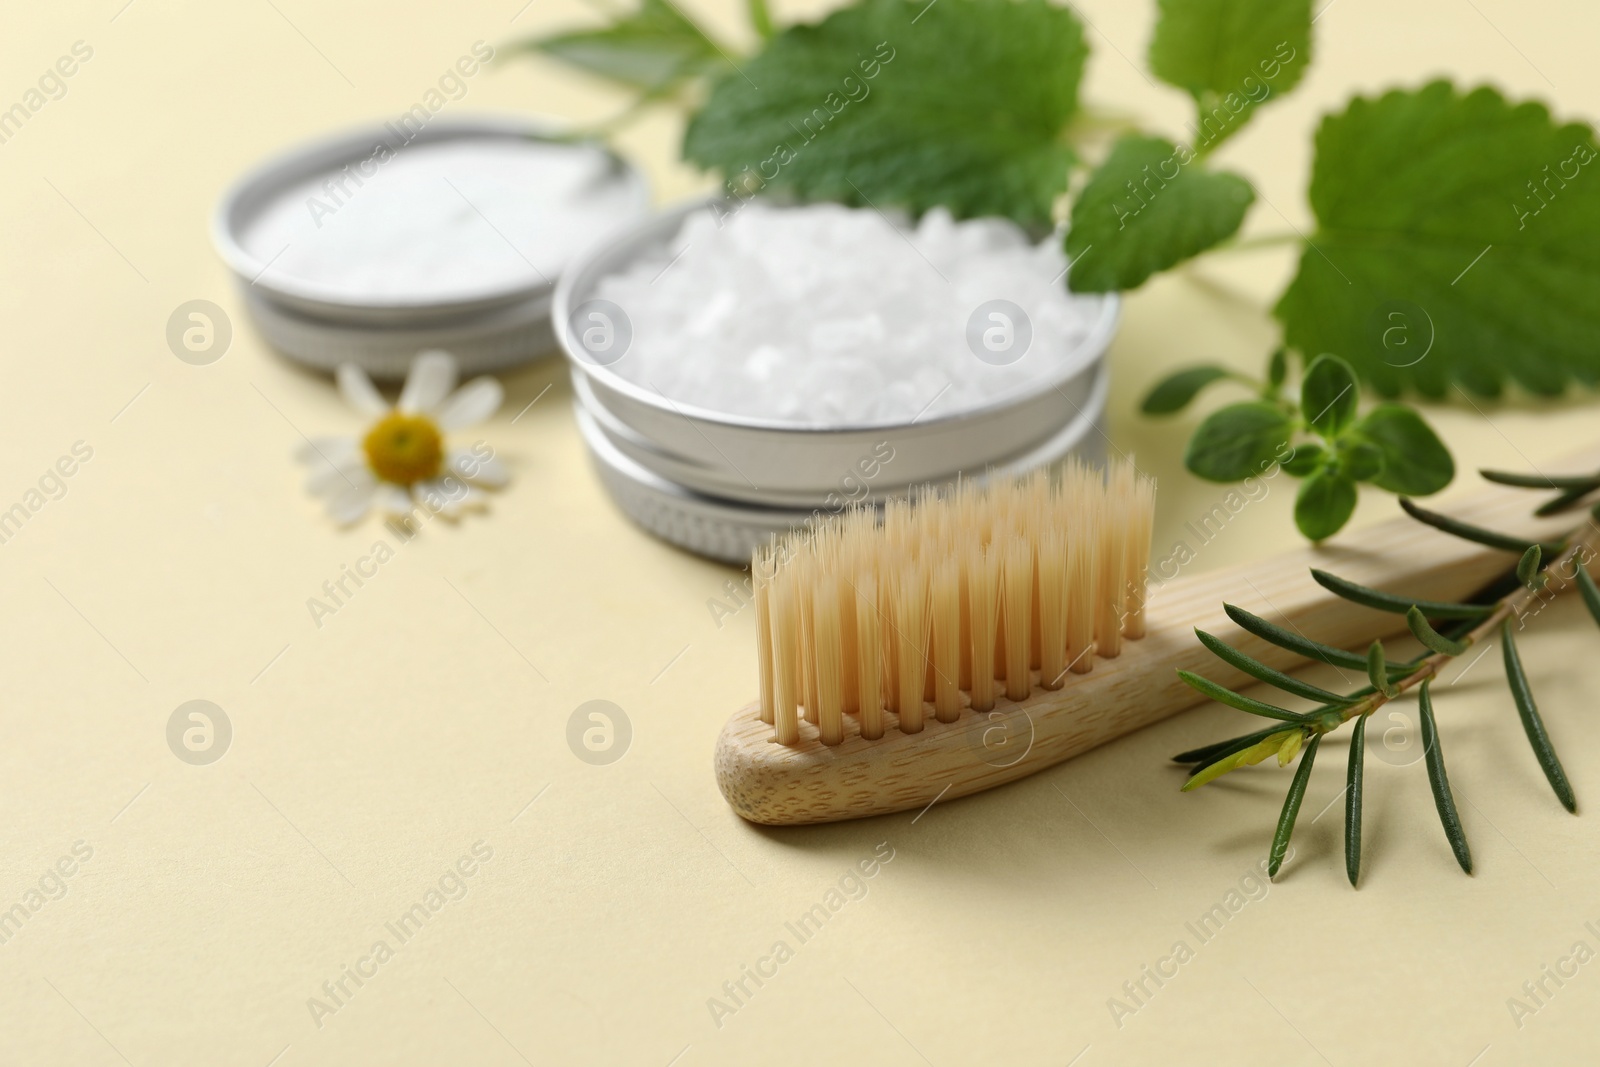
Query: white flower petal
x,y
432,376
359,392
328,478
470,404
322,451
392,500
351,504
483,470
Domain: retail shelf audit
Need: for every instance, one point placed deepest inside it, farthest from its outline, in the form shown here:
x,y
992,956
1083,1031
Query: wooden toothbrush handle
x,y
810,783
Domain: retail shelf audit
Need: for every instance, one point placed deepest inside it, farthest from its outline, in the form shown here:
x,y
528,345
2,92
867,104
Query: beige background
x,y
373,752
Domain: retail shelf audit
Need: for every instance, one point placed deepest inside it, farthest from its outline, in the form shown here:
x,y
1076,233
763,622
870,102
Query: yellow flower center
x,y
404,448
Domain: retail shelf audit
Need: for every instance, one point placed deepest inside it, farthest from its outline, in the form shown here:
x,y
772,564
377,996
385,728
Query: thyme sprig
x,y
1543,569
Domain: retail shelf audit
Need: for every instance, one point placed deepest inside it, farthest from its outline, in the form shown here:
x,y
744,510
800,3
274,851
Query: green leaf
x,y
760,18
1378,671
1256,669
1277,368
1430,637
1591,595
1234,700
1415,461
1373,598
651,49
1308,457
1324,503
1291,808
1458,242
965,108
1564,500
1294,642
1149,206
1352,800
1238,441
1532,724
1528,566
1433,756
1328,396
1244,757
1469,532
1361,460
1208,753
1231,55
1174,392
1541,481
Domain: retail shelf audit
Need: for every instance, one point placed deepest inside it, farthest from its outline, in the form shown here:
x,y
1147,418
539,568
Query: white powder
x,y
826,315
441,221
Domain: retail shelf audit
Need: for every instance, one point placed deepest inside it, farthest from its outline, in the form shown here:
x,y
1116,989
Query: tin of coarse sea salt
x,y
374,244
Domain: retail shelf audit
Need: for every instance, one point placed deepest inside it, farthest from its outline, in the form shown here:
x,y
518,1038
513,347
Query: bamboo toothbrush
x,y
973,637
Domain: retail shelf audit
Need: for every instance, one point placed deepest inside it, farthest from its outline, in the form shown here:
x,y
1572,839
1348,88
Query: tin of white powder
x,y
822,315
437,222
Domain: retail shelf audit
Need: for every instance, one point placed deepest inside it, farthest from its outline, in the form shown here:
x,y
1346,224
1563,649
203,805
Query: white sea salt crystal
x,y
440,221
826,315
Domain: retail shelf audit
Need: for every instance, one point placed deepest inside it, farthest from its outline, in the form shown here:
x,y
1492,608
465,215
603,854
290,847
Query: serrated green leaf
x,y
1458,242
1176,390
1468,532
1374,598
1352,800
1149,206
1256,669
1430,637
1443,800
964,108
1415,461
1291,808
1223,695
651,49
1231,55
1238,441
1328,396
1532,723
1324,503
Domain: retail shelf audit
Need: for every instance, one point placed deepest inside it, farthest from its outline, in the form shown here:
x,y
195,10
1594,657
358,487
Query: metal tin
x,y
496,325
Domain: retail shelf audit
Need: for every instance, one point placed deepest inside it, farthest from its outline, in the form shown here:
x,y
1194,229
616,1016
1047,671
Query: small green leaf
x,y
760,18
901,105
1352,800
1415,461
1528,566
1256,669
1373,598
651,49
1433,756
1567,498
1231,55
1243,758
1208,753
1308,458
1361,460
1149,206
1328,396
1532,724
1174,392
1469,532
1291,808
1294,642
1591,594
1234,700
1541,481
1277,368
1239,441
1378,670
1430,637
1324,504
1290,747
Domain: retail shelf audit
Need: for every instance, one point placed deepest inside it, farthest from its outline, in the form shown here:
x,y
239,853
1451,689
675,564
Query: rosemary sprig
x,y
1544,569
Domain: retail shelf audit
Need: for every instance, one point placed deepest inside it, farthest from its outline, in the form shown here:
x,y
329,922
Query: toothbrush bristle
x,y
947,602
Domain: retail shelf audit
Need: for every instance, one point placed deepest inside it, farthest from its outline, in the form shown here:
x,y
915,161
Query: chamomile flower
x,y
402,462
